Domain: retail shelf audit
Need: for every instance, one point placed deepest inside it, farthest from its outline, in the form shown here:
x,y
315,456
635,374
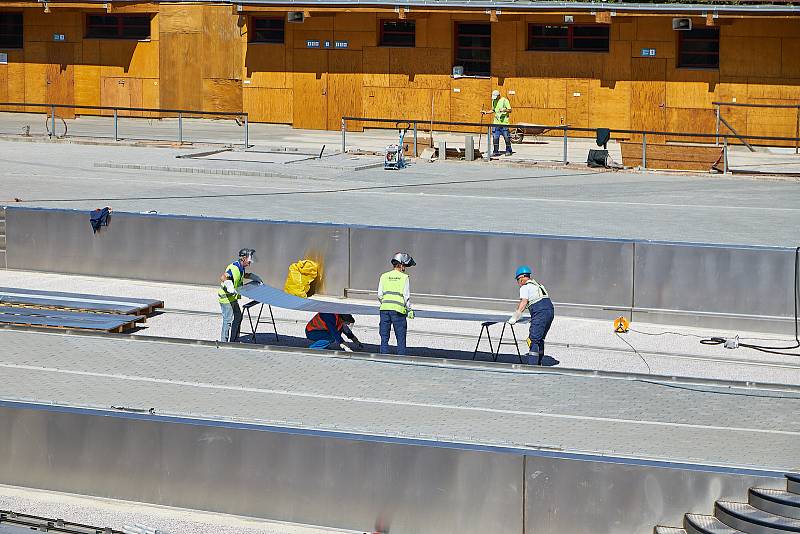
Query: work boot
x,y
533,358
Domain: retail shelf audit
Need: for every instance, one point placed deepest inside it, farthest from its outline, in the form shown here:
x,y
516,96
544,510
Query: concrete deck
x,y
453,195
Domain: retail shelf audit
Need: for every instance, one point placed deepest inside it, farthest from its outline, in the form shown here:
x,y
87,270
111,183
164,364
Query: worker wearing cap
x,y
325,330
501,108
394,294
534,296
230,281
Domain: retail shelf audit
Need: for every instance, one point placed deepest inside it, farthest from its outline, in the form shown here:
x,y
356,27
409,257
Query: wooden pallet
x,y
672,157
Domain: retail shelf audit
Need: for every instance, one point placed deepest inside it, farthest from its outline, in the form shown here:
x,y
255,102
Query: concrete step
x,y
773,501
706,524
668,530
742,516
793,483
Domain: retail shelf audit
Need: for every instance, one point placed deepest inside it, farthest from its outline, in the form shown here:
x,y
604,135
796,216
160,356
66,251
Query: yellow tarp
x,y
300,276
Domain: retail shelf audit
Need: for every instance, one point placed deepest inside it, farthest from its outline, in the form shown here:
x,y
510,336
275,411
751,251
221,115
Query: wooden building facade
x,y
591,69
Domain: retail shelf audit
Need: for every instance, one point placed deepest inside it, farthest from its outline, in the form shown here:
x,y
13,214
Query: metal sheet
x,y
309,479
587,497
109,323
75,300
576,271
276,297
192,250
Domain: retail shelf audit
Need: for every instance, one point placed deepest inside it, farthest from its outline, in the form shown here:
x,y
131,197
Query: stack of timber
x,y
672,157
50,309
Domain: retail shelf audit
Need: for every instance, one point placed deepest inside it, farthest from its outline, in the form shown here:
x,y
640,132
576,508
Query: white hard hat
x,y
495,94
403,258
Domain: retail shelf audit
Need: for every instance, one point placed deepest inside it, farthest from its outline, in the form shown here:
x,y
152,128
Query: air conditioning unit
x,y
681,24
295,16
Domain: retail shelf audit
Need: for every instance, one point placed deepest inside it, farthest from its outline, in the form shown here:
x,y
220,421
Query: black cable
x,y
766,348
636,351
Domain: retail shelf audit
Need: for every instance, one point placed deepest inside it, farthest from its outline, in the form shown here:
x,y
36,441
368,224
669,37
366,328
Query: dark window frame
x,y
11,40
382,27
570,38
682,55
257,35
460,59
119,29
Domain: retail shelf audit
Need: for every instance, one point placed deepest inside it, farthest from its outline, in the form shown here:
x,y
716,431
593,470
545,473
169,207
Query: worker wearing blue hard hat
x,y
534,297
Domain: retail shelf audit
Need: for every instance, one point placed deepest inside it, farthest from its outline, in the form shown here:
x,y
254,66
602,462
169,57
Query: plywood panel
x,y
116,57
420,68
504,48
344,88
181,83
790,52
222,95
691,120
648,95
468,97
439,31
87,86
617,64
222,42
528,92
268,105
376,67
689,95
150,96
609,108
545,116
59,77
354,22
743,56
180,18
578,103
652,29
16,82
417,103
760,27
310,88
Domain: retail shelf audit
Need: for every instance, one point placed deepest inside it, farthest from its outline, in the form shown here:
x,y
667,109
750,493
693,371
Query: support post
x,y
489,149
246,132
415,140
716,138
344,135
116,125
565,159
797,132
644,150
52,121
180,128
725,157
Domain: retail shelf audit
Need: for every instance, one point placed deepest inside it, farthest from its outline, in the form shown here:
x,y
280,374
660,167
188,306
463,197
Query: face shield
x,y
248,254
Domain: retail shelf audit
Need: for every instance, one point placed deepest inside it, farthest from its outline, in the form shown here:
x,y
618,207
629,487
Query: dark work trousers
x,y
542,314
392,319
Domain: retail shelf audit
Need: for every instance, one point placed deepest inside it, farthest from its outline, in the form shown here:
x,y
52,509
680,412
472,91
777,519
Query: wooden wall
x,y
199,57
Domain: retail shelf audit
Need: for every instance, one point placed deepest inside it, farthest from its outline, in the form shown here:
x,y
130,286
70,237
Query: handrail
x,y
754,105
746,105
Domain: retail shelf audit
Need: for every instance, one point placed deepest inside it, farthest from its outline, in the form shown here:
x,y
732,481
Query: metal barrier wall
x,y
703,285
354,482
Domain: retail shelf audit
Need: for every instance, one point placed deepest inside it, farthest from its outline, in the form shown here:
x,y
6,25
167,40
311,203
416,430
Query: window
x,y
267,30
699,48
474,48
568,37
10,30
398,33
118,26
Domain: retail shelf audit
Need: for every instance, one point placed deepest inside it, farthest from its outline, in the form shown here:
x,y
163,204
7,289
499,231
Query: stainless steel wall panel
x,y
313,479
587,497
464,264
191,250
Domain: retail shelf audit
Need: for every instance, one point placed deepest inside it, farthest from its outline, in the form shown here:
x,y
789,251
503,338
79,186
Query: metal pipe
x,y
725,156
415,140
52,121
344,130
246,131
180,128
644,150
716,139
565,146
116,126
488,156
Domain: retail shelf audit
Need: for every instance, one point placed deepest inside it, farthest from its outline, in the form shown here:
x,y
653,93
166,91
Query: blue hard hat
x,y
523,269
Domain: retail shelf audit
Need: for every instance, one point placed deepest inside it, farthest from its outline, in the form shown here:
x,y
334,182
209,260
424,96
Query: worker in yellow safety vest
x,y
394,294
230,281
501,109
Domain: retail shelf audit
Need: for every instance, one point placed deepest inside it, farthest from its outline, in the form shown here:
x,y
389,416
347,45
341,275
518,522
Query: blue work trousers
x,y
497,131
392,319
231,321
542,314
322,339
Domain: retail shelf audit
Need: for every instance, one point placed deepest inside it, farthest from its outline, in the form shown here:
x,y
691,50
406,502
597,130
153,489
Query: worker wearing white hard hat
x,y
230,281
501,108
394,294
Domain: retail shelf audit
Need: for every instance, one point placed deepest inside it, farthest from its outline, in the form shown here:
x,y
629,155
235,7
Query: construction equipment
x,y
395,158
621,325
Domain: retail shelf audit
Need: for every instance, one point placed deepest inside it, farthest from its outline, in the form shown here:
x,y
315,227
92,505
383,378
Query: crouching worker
x,y
325,331
534,296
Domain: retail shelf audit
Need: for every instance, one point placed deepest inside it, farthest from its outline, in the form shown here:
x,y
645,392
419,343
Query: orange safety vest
x,y
318,323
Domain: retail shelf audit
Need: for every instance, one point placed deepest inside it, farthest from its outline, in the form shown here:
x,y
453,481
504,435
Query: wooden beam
x,y
401,13
710,21
493,15
603,17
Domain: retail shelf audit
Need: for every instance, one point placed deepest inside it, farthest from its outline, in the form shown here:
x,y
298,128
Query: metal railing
x,y
414,126
721,120
50,111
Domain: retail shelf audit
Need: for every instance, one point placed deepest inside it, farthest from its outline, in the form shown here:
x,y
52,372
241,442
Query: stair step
x,y
706,524
748,519
793,483
668,530
773,501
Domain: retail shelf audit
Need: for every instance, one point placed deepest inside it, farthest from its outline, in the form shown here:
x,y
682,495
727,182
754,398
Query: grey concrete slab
x,y
458,195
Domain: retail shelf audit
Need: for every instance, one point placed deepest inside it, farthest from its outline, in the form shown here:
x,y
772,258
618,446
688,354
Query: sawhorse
x,y
485,328
254,327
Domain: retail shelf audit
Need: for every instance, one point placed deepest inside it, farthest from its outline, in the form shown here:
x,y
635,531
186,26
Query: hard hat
x,y
495,94
523,270
248,253
403,258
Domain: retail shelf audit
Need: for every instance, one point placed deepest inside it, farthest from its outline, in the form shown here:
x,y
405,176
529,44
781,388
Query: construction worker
x,y
534,296
325,331
230,281
394,294
501,108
